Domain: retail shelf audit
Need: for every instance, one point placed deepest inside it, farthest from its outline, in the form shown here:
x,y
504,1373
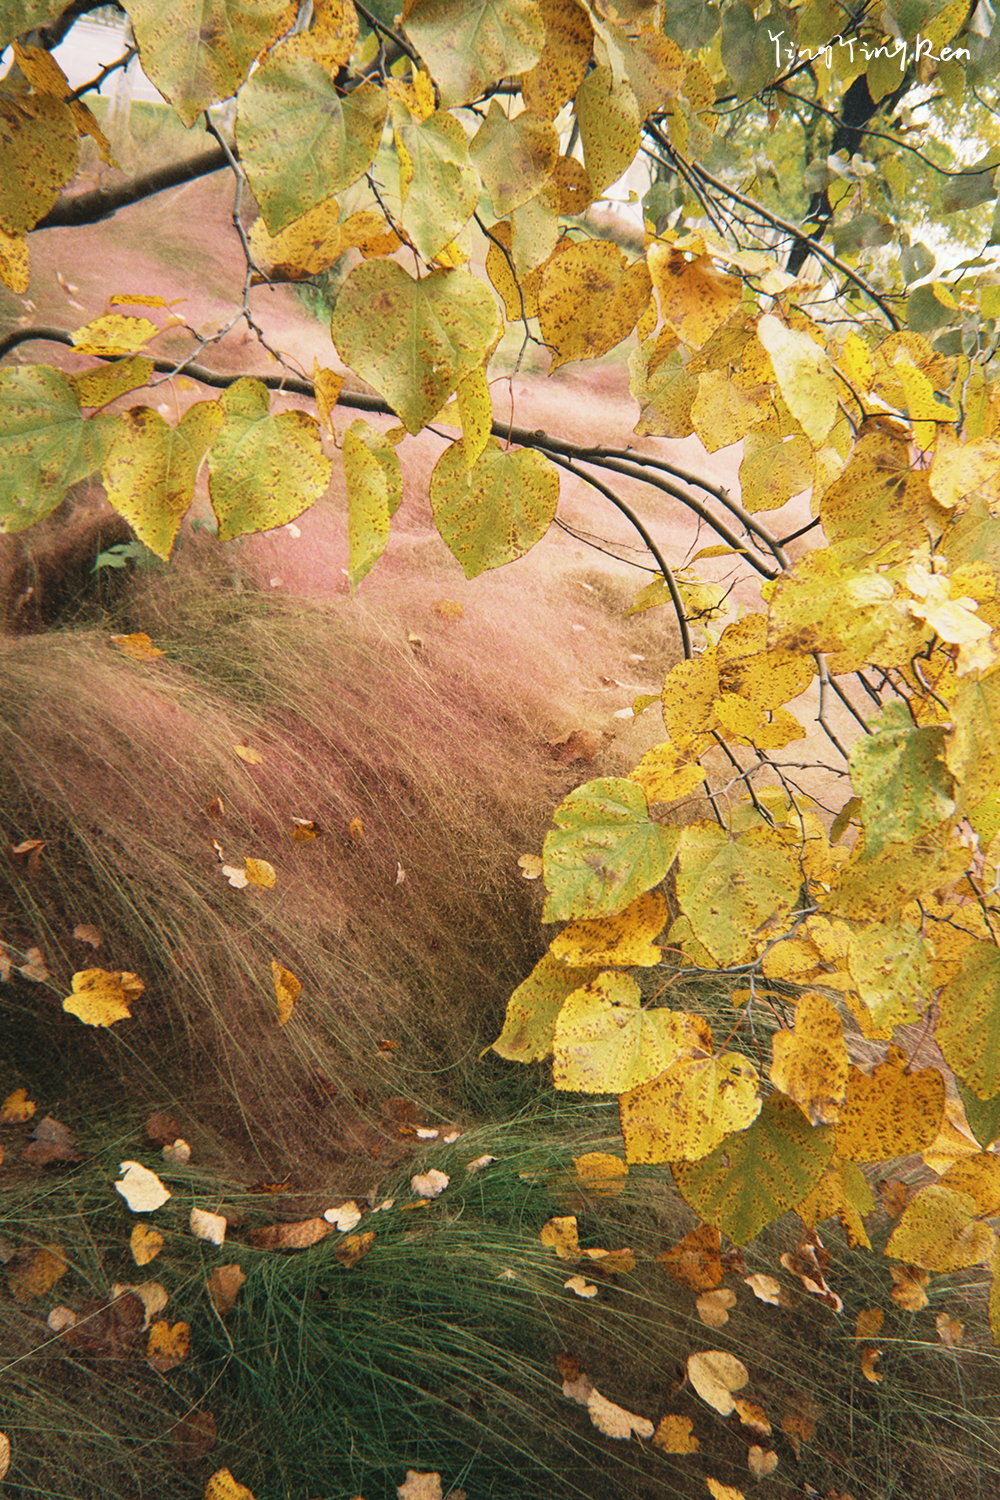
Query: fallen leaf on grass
x,y
611,1262
297,1236
101,998
137,645
85,933
449,609
696,1260
614,1421
560,1235
869,1321
145,1244
431,1184
724,1491
480,1162
106,1330
761,1462
224,1286
142,1189
168,1346
765,1288
530,866
17,1108
799,1427
869,1359
304,830
354,1247
674,1435
248,755
4,1454
580,1286
178,1154
951,1330
53,1142
418,1486
713,1307
152,1296
346,1217
287,990
61,1318
715,1375
754,1417
162,1128
601,1174
208,1226
193,1436
33,967
34,1271
356,829
909,1293
222,1486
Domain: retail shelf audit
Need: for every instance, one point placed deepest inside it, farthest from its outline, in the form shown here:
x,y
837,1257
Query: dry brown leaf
x,y
611,1262
248,755
761,1462
951,1330
84,933
215,808
107,1330
162,1128
560,1235
223,1287
909,1292
356,829
674,1435
33,967
354,1247
17,1108
580,1286
53,1142
429,1184
614,1421
869,1321
765,1288
298,1236
287,990
754,1417
34,1271
799,1427
208,1226
715,1375
145,1244
152,1297
178,1154
193,1436
713,1307
222,1486
61,1318
696,1260
869,1359
167,1346
304,830
418,1486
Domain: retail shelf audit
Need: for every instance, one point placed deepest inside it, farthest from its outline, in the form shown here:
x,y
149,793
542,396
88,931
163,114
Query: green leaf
x,y
904,781
105,383
374,491
748,53
514,157
968,1029
729,887
46,444
199,51
604,851
263,470
38,148
151,468
756,1175
497,509
983,1115
471,46
891,964
687,1110
609,127
19,16
439,186
774,469
301,141
413,340
606,1042
529,1027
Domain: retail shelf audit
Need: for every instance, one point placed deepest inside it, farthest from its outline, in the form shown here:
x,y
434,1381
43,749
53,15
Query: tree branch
x,y
103,203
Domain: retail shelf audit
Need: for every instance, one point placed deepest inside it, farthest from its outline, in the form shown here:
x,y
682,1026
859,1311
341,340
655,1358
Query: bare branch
x,y
103,203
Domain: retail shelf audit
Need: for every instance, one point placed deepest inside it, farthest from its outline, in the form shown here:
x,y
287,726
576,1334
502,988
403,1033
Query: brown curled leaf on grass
x,y
808,1262
909,1293
715,1375
17,1108
101,997
696,1260
224,1286
168,1346
107,1330
799,1426
761,1461
34,1270
869,1361
304,830
28,855
614,1421
248,755
152,1296
297,1236
353,1248
674,1434
713,1307
52,1143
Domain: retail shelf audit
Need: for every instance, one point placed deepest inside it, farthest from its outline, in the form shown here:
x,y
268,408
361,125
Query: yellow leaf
x,y
722,1491
260,873
114,334
145,1244
515,155
715,1375
674,1435
15,269
287,990
695,299
753,1416
475,408
842,1190
909,1293
17,1108
531,866
601,1175
168,1346
562,66
960,469
529,1028
353,1248
103,383
560,1235
328,386
580,1286
614,1421
869,1321
979,1176
951,1330
810,1063
765,1288
608,115
222,1486
939,1232
589,300
150,473
891,1113
805,376
713,1307
869,1359
664,777
101,998
696,1260
248,755
684,1113
138,646
624,940
33,1272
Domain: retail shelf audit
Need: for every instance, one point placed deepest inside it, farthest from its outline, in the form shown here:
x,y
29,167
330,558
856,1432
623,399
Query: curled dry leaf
x,y
178,1154
754,1417
480,1162
346,1217
530,866
354,1247
765,1288
287,990
580,1286
761,1462
168,1347
799,1427
298,1236
193,1436
869,1359
951,1330
33,1271
419,1486
304,830
611,1262
142,1189
356,829
675,1435
84,933
909,1292
715,1375
430,1184
713,1307
52,1142
560,1235
100,997
4,1454
145,1244
61,1318
17,1108
215,808
208,1226
152,1296
222,1486
614,1421
696,1260
223,1287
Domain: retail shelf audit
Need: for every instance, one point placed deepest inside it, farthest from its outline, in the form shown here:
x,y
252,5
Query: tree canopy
x,y
779,296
